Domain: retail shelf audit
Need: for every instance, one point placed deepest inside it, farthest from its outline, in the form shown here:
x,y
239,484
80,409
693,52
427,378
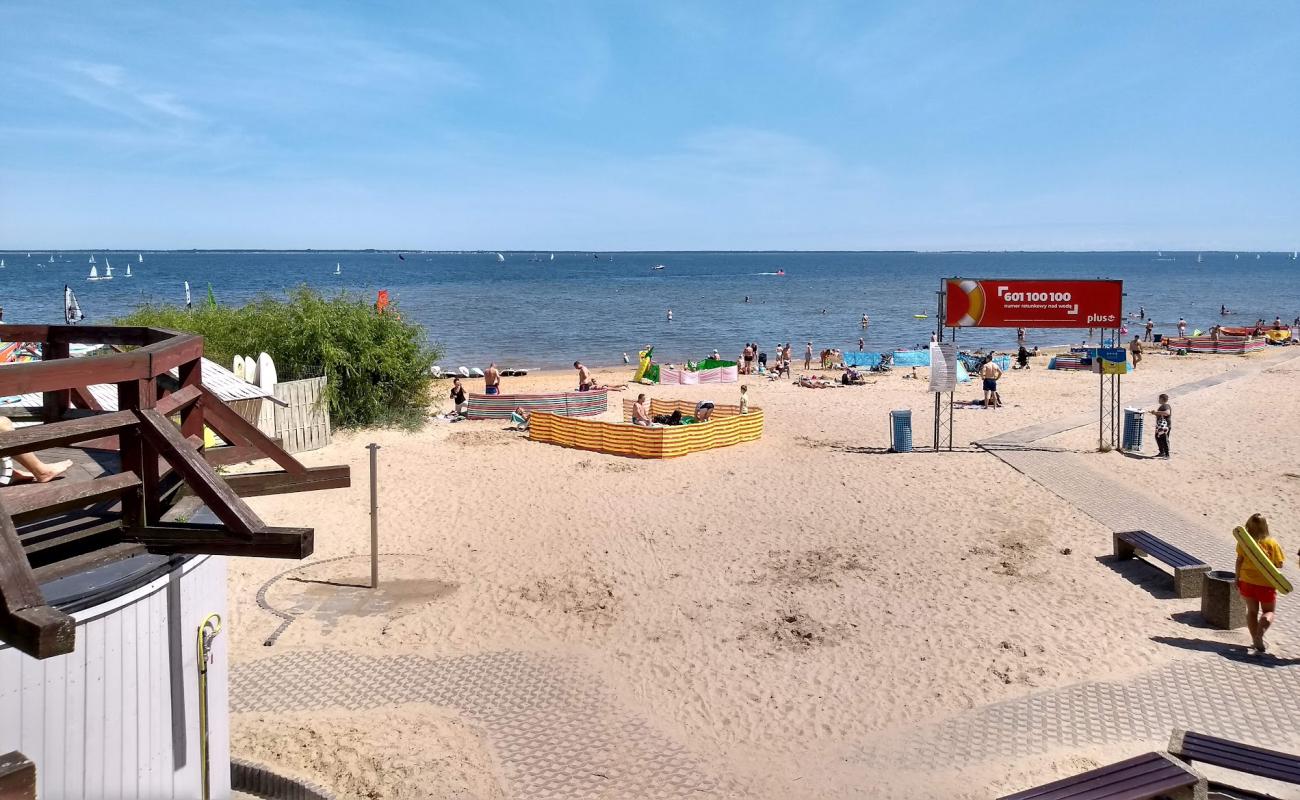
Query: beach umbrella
x,y
71,308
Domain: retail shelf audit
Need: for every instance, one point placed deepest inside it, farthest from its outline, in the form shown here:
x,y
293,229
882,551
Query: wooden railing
x,y
159,458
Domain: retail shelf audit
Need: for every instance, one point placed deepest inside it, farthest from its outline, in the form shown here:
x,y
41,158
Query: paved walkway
x,y
556,729
560,734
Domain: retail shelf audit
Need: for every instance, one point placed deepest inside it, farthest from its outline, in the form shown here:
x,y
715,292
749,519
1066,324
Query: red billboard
x,y
1033,304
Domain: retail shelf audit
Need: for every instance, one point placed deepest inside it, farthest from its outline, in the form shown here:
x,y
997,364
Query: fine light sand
x,y
781,608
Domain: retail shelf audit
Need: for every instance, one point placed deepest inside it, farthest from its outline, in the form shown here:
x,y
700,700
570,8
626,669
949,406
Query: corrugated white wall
x,y
119,716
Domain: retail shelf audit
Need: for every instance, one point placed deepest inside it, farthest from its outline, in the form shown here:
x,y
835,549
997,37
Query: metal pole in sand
x,y
374,517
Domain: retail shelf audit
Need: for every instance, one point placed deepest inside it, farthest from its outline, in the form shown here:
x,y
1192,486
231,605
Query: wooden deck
x,y
114,503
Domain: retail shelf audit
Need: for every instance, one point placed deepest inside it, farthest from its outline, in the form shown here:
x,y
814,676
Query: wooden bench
x,y
1153,776
1189,571
1191,746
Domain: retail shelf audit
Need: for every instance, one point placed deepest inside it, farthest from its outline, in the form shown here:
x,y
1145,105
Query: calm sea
x,y
531,311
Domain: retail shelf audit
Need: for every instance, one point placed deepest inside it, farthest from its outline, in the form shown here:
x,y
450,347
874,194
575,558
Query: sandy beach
x,y
794,613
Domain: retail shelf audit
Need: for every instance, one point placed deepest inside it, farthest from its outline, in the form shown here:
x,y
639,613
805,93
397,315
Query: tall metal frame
x,y
1109,422
942,426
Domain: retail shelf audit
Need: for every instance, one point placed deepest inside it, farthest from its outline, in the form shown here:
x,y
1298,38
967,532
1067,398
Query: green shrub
x,y
377,365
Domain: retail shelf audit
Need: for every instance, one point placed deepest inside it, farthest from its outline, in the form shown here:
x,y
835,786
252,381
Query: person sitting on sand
x,y
521,417
674,418
33,469
703,411
492,380
457,396
1261,598
641,411
585,383
1022,357
990,373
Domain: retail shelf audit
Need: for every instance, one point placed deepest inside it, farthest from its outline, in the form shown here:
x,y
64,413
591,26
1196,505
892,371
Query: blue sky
x,y
657,125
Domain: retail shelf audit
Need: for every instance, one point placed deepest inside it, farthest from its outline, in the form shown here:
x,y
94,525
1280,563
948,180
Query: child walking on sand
x,y
744,398
1261,599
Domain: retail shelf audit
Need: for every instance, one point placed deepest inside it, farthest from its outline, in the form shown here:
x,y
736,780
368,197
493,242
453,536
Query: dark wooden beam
x,y
179,401
172,352
36,500
257,484
225,456
17,777
80,334
54,403
166,438
228,424
26,622
48,376
64,432
191,379
191,537
88,561
82,397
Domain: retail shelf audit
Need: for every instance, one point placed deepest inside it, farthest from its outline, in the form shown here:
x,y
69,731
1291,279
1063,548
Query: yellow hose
x,y
207,632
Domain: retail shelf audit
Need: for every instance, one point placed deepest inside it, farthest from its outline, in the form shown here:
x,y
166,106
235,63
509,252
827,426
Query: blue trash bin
x,y
1134,422
900,430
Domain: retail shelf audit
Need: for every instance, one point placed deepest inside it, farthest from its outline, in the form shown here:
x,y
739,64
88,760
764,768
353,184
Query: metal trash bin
x,y
1134,422
900,430
1221,604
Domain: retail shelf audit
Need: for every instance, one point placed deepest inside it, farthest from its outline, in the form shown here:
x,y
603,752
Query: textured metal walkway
x,y
556,730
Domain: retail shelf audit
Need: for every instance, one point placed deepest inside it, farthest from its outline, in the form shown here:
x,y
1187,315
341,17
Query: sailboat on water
x,y
94,275
139,258
92,258
128,271
2,263
338,268
500,258
1198,258
51,259
553,257
108,270
71,308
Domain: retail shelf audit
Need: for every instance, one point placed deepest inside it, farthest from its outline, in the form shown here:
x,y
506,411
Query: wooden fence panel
x,y
304,423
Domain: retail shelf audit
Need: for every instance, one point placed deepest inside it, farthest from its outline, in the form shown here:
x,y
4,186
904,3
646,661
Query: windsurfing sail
x,y
71,308
500,257
188,303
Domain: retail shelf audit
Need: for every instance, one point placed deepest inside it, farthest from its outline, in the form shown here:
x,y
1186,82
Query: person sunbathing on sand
x,y
34,470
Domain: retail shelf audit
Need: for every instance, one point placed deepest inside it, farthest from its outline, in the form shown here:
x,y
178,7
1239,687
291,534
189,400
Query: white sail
x,y
51,259
140,258
500,257
108,270
128,271
94,274
2,263
92,259
1198,258
71,308
552,256
338,269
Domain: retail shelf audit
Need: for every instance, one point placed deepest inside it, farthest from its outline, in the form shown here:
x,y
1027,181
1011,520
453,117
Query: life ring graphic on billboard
x,y
967,305
1033,303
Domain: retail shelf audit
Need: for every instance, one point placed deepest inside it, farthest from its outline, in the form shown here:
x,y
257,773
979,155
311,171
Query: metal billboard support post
x,y
374,516
938,397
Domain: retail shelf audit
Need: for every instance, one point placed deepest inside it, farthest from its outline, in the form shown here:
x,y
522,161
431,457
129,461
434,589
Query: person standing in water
x,y
1151,326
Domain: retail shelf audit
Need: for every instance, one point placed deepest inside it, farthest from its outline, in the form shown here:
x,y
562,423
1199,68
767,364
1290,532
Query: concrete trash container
x,y
900,430
1221,604
1133,426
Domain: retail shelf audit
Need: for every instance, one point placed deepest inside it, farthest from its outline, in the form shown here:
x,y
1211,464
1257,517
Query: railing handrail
x,y
158,351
